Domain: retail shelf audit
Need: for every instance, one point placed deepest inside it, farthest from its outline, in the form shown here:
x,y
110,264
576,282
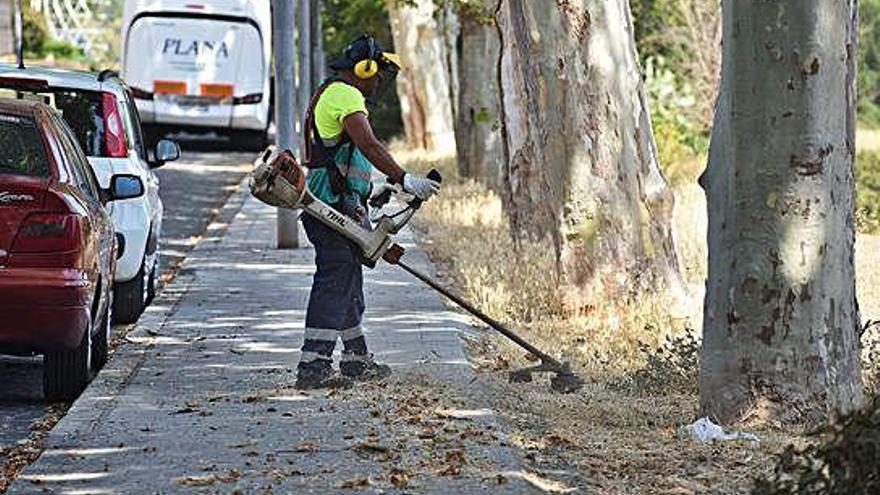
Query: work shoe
x,y
364,369
307,379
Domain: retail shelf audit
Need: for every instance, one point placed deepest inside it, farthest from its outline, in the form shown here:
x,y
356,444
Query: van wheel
x,y
66,373
129,298
101,339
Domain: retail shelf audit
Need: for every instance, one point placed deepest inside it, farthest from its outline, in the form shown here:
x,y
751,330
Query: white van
x,y
200,65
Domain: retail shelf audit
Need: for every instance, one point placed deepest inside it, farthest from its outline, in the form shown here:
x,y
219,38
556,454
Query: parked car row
x,y
80,218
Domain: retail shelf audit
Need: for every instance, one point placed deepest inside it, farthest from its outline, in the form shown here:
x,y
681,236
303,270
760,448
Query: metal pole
x,y
317,33
305,56
19,34
283,18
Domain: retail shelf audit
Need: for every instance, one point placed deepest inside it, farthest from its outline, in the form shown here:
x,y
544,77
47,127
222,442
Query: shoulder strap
x,y
311,127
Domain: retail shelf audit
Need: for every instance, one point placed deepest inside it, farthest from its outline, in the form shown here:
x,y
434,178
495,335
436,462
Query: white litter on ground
x,y
704,430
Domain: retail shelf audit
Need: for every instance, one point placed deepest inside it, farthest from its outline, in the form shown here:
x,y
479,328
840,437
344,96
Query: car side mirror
x,y
166,151
125,186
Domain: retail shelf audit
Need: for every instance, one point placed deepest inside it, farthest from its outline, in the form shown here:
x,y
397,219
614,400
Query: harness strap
x,y
326,156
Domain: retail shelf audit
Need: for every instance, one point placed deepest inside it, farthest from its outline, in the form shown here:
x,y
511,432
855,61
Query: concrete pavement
x,y
201,399
192,189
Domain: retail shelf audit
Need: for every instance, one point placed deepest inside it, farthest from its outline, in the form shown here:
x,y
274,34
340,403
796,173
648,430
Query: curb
x,y
99,398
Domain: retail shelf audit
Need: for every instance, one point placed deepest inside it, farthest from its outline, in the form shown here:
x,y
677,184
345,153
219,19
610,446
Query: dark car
x,y
57,247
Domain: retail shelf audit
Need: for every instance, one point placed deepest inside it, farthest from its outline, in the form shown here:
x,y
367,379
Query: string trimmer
x,y
278,180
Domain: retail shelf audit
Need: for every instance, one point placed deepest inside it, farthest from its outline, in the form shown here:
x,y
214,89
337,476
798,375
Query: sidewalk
x,y
201,398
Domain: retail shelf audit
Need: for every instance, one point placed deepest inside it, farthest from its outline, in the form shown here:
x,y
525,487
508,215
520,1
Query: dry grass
x,y
868,139
615,442
467,229
616,436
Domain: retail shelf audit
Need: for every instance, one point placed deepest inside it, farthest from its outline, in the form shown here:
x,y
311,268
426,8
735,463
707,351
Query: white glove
x,y
420,187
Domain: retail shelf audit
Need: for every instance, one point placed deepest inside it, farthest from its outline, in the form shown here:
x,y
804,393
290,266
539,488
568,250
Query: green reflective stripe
x,y
357,173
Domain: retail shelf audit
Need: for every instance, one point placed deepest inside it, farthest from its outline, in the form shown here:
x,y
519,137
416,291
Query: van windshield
x,y
82,110
23,151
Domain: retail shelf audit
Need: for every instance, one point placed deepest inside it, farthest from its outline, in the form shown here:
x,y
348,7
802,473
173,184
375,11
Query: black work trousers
x,y
336,302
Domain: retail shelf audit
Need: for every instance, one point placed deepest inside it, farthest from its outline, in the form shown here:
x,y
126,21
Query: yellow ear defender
x,y
366,69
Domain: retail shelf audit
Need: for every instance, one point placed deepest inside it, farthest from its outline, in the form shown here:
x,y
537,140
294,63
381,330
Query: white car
x,y
101,112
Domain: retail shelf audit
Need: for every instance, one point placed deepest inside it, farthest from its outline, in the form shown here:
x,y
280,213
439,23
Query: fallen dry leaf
x,y
455,459
379,452
197,480
400,477
306,447
355,483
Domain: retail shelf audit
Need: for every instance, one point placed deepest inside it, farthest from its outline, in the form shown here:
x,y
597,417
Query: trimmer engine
x,y
278,180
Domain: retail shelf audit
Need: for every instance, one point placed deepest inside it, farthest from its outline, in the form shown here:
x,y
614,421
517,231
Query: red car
x,y
57,247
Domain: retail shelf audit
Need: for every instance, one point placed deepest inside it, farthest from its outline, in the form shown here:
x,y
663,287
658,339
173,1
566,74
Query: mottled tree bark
x,y
478,122
581,162
423,84
450,29
781,322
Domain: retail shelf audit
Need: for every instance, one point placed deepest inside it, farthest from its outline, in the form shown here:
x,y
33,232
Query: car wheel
x,y
66,373
151,283
129,298
101,340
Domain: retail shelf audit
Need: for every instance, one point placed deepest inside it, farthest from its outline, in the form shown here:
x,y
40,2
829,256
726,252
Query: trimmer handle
x,y
435,176
383,199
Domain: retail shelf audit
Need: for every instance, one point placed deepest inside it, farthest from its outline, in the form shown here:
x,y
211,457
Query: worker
x,y
341,151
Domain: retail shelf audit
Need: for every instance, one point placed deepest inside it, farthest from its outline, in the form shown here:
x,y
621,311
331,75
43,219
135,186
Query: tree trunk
x,y
450,29
580,157
478,121
423,84
781,322
6,33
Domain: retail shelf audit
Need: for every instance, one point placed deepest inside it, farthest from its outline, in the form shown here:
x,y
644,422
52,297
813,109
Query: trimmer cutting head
x,y
563,381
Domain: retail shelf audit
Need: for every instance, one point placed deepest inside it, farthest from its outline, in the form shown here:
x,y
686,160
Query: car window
x,y
133,122
82,109
78,161
23,152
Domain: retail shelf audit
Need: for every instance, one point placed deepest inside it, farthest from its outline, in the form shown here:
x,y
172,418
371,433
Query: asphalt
x,y
201,397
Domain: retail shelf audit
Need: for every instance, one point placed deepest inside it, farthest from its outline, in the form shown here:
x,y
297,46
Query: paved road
x,y
192,190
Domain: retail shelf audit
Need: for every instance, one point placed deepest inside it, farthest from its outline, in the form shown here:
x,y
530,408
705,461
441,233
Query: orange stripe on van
x,y
217,90
169,87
